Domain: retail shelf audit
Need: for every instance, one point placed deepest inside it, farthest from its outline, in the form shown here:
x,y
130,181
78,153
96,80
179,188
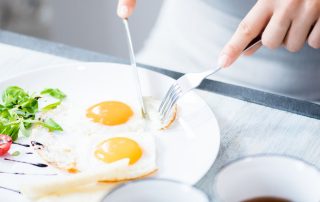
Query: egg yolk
x,y
114,149
110,113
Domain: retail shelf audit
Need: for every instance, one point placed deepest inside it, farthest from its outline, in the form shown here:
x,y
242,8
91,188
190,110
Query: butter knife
x,y
134,68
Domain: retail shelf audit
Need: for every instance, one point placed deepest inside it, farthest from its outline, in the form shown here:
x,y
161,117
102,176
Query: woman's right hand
x,y
125,8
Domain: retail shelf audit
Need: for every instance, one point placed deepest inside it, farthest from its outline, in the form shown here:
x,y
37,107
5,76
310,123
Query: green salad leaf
x,y
51,106
51,125
10,129
14,95
19,108
16,153
54,92
26,131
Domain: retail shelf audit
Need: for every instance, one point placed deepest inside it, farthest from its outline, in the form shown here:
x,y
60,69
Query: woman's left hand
x,y
282,22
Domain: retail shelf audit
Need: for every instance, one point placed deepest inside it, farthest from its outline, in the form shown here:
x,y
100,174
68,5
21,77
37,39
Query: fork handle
x,y
252,44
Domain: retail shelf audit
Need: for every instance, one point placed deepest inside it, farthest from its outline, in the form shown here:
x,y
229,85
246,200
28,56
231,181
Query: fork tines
x,y
173,94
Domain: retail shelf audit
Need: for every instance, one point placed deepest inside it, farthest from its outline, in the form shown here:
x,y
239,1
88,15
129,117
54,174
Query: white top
x,y
190,34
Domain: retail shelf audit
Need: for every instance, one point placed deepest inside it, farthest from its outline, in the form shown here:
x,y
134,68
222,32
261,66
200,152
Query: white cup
x,y
268,176
156,190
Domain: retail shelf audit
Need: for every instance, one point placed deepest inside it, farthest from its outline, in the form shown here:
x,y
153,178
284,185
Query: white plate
x,y
185,152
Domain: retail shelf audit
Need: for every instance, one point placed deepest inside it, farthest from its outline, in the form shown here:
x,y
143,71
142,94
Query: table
x,y
251,122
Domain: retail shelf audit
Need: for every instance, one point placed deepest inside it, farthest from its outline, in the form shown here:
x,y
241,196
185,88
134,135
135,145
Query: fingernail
x,y
224,60
123,11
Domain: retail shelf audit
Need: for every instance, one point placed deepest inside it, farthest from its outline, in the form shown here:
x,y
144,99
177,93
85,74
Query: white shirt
x,y
189,35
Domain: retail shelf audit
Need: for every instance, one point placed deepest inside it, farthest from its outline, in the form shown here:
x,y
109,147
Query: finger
x,y
276,30
125,8
314,37
299,30
249,28
252,50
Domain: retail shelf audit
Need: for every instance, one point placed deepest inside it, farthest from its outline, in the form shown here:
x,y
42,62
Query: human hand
x,y
125,8
282,22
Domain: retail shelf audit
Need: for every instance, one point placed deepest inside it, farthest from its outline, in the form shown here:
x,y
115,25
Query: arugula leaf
x,y
50,106
14,95
30,105
54,92
16,153
12,130
51,125
26,131
18,111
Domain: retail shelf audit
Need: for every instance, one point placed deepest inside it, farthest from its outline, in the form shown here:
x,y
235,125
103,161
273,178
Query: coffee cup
x,y
267,176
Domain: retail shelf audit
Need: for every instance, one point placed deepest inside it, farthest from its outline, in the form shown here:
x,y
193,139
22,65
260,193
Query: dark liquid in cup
x,y
267,199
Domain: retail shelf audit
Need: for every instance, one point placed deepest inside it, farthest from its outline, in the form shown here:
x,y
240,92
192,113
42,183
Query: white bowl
x,y
265,175
156,190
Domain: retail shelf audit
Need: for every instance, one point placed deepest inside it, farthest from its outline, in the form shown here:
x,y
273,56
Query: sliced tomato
x,y
5,144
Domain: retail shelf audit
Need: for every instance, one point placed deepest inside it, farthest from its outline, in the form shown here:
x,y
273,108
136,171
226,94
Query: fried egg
x,y
84,154
101,134
139,149
117,148
110,113
96,136
116,114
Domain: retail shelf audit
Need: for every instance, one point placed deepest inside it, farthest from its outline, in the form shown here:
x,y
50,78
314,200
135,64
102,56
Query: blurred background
x,y
94,25
88,24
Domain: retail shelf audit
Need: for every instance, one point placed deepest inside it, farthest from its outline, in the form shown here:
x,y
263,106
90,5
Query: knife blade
x,y
134,68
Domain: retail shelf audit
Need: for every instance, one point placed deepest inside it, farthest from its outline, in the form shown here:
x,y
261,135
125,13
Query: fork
x,y
188,82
